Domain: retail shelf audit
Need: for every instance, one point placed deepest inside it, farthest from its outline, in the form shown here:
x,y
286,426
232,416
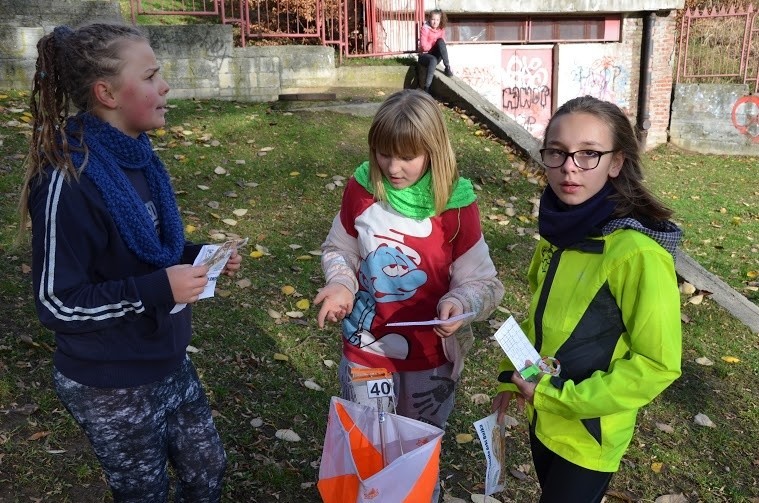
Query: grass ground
x,y
286,170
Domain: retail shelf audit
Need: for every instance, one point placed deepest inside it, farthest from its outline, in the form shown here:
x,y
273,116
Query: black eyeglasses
x,y
583,159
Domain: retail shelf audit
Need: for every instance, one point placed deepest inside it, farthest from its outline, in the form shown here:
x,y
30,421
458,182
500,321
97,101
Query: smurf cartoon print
x,y
389,273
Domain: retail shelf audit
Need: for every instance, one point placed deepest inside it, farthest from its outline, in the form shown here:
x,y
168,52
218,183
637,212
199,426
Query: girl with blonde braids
x,y
110,262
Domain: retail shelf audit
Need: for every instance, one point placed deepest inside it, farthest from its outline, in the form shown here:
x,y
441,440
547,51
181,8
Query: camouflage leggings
x,y
135,431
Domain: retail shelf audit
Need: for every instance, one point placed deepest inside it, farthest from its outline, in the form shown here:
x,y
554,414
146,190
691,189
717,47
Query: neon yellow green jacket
x,y
611,316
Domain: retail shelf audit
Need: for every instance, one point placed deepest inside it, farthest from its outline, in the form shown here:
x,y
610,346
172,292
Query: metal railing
x,y
356,27
719,45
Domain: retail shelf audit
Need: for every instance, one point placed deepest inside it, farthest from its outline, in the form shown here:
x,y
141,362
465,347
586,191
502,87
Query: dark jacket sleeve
x,y
71,231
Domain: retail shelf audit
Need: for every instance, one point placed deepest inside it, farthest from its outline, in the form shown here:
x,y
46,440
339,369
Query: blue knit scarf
x,y
110,152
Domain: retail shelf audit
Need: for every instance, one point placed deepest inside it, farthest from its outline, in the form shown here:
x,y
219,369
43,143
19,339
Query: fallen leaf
x,y
240,212
294,314
274,314
56,451
481,498
280,357
730,359
26,409
287,435
464,438
219,170
623,495
39,435
25,269
480,398
665,428
230,221
256,422
243,283
303,257
303,304
687,289
189,228
329,363
288,289
518,474
696,299
256,254
509,421
308,383
671,498
703,420
524,468
657,466
203,187
706,362
191,349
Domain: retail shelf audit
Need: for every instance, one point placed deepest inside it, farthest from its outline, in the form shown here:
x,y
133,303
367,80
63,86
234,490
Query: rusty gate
x,y
355,27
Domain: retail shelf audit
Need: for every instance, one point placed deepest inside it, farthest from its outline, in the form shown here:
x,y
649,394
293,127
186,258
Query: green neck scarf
x,y
417,201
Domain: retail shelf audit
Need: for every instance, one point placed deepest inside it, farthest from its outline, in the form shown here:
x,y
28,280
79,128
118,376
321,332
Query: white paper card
x,y
215,256
494,447
516,344
452,319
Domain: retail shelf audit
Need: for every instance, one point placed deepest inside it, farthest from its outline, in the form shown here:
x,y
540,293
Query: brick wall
x,y
662,78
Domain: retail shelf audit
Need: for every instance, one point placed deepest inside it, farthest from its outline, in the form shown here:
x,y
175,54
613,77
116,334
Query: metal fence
x,y
719,45
356,27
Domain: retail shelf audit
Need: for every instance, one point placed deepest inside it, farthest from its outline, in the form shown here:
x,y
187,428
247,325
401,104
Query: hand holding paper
x,y
215,257
452,319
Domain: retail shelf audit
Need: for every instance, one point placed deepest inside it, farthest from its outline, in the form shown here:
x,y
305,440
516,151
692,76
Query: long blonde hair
x,y
409,123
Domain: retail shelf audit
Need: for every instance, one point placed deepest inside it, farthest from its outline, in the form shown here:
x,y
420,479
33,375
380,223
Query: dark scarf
x,y
564,226
110,152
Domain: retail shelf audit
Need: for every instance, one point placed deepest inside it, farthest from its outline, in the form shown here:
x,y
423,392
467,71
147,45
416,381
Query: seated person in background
x,y
432,47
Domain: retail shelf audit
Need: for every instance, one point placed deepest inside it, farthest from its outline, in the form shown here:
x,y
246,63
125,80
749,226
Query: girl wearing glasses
x,y
605,303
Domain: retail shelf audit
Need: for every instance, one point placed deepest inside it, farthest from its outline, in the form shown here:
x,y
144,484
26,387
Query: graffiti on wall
x,y
526,84
604,79
484,80
746,117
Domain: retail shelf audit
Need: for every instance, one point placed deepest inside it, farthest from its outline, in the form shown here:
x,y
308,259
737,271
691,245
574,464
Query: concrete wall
x,y
608,71
715,119
24,22
201,61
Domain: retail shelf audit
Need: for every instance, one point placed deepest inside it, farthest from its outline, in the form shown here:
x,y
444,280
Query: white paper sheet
x,y
494,447
215,256
452,319
516,344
